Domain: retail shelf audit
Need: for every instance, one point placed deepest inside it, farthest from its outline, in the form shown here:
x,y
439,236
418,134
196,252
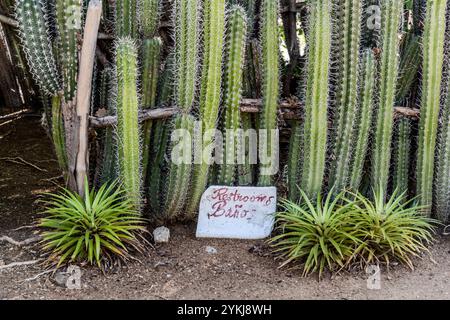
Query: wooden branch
x,y
9,21
17,264
84,90
15,114
149,114
288,110
20,243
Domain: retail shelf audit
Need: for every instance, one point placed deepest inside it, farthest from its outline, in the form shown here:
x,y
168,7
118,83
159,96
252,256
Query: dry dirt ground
x,y
182,269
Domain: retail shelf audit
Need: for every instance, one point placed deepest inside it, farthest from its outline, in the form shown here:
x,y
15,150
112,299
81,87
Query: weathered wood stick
x,y
288,109
84,90
15,114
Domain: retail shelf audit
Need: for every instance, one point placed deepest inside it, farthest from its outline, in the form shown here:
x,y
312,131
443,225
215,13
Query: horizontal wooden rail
x,y
288,110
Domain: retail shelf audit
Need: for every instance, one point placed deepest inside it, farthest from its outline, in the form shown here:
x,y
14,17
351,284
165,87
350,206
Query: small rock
x,y
161,235
211,250
2,263
61,278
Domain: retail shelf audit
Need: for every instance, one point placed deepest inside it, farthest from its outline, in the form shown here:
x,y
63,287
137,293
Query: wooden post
x,y
84,90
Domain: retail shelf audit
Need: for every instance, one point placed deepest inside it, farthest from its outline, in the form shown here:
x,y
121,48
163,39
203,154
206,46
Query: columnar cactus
x,y
235,53
34,33
294,161
149,14
109,159
442,181
348,34
129,149
433,59
209,112
316,103
151,56
187,36
270,83
126,18
409,66
390,23
58,132
68,18
402,152
364,119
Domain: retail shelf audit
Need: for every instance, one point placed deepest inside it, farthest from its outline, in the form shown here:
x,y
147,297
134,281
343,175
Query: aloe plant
x,y
402,152
209,111
364,119
381,157
187,38
348,34
316,103
126,18
235,53
129,148
270,84
433,59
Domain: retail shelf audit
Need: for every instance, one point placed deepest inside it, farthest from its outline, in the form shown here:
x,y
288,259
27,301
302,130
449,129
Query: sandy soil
x,y
181,269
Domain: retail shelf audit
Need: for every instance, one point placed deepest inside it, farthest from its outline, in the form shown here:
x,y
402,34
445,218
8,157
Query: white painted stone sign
x,y
237,212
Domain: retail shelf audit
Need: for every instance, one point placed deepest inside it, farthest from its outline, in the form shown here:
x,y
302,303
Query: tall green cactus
x,y
348,34
235,53
442,181
151,56
180,167
109,158
68,18
409,66
149,14
187,36
58,132
209,112
364,119
129,148
381,158
271,69
295,160
433,59
126,18
402,152
316,103
34,33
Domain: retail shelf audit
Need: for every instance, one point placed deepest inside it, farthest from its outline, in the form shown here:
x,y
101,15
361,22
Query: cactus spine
x,y
186,16
68,17
209,112
316,104
347,49
128,119
390,23
433,58
34,33
235,53
364,119
126,18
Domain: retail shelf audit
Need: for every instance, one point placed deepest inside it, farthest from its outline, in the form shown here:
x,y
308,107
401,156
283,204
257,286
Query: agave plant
x,y
102,226
392,229
316,233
